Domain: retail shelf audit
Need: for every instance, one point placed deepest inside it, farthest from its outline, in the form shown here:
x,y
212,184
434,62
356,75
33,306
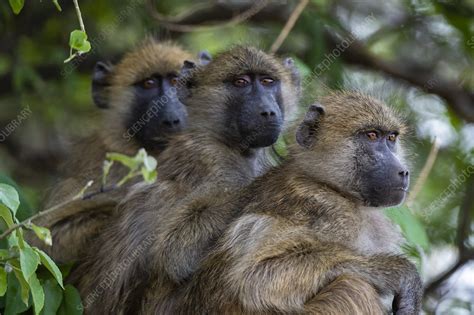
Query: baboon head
x,y
139,94
351,142
243,95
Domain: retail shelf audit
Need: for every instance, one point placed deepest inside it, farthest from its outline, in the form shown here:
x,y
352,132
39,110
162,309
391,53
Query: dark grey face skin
x,y
156,112
383,180
157,106
254,109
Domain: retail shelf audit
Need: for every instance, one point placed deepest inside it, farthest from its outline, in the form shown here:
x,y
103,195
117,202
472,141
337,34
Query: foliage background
x,y
417,55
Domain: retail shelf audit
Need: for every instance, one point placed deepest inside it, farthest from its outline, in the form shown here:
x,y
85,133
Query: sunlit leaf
x,y
9,197
43,234
17,5
150,163
149,176
51,266
6,215
29,262
129,162
78,41
36,293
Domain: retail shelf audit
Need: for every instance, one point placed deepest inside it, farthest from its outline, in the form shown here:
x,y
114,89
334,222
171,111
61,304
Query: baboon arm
x,y
189,230
345,295
282,266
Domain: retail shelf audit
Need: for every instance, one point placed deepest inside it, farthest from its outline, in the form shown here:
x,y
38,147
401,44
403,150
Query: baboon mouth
x,y
402,189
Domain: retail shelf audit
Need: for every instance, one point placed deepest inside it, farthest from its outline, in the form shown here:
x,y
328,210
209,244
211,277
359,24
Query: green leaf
x,y
412,228
6,215
17,5
14,303
25,287
129,162
150,163
149,177
4,253
43,234
3,281
29,262
50,265
9,197
71,304
25,210
53,296
56,3
78,41
36,293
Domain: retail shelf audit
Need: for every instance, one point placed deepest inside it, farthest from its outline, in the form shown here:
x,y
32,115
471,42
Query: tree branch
x,y
464,229
289,25
459,99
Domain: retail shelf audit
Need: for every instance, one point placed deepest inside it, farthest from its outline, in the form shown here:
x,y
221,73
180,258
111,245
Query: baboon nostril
x,y
176,122
403,173
167,123
266,114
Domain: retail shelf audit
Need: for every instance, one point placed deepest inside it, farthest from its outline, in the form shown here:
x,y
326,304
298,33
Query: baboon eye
x,y
174,81
392,137
267,81
240,82
149,83
372,135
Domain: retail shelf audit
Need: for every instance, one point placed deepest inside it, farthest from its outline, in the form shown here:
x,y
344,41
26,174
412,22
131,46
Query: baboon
x,y
238,104
311,233
140,110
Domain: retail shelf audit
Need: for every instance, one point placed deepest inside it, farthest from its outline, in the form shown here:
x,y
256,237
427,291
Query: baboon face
x,y
244,93
155,97
255,107
154,111
383,178
352,144
140,93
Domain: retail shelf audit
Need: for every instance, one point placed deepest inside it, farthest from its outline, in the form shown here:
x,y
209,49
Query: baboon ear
x,y
289,63
306,132
187,68
186,79
204,57
100,81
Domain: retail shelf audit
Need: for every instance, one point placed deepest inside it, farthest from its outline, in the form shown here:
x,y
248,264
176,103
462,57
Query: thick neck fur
x,y
301,194
197,154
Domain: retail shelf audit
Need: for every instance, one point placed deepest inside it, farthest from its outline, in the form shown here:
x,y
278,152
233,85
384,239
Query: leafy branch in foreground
x,y
22,282
78,43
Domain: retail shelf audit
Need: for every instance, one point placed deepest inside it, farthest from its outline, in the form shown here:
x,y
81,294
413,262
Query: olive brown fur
x,y
114,90
310,239
237,104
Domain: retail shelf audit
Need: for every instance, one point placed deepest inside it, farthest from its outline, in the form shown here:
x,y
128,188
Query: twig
x,y
58,207
79,15
425,172
289,25
173,25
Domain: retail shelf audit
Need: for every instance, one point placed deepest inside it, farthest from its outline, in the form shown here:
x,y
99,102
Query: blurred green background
x,y
416,55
